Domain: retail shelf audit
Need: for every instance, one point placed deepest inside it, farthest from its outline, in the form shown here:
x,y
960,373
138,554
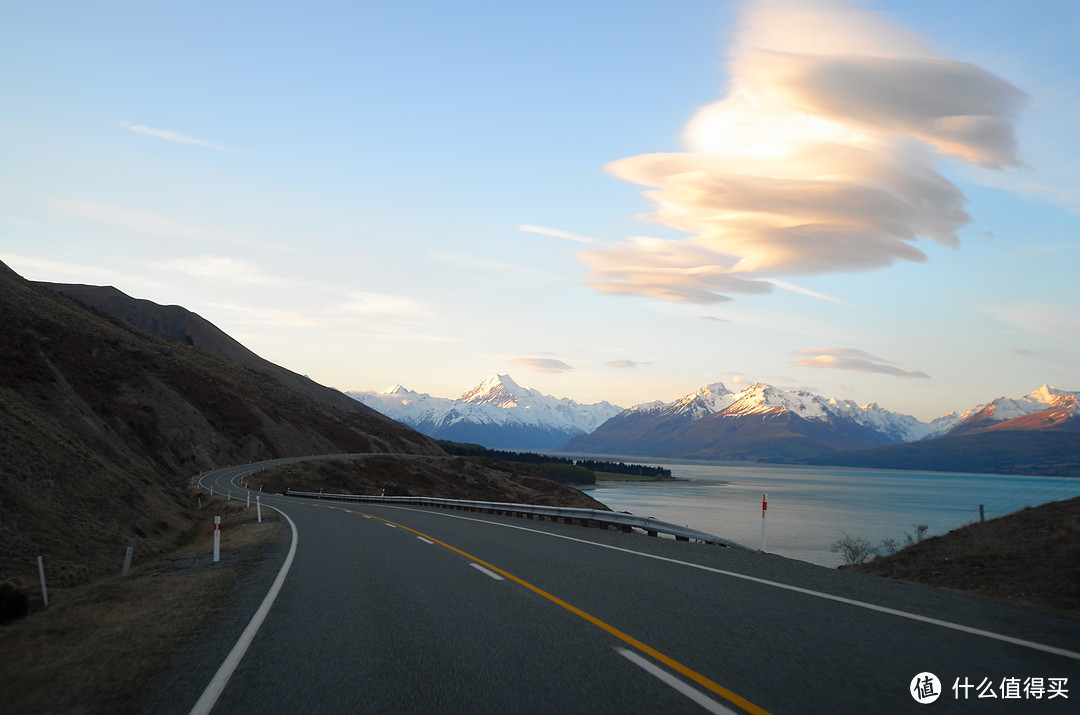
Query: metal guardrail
x,y
625,522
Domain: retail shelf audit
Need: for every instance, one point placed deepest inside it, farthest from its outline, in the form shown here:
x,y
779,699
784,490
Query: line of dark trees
x,y
460,449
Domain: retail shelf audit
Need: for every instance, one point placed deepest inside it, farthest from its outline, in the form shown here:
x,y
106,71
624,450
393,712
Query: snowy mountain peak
x,y
500,390
1053,397
498,413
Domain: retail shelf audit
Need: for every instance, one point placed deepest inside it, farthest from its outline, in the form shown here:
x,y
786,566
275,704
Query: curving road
x,y
404,609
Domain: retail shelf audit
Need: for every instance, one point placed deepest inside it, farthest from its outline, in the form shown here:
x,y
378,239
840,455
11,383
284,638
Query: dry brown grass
x,y
97,645
1029,558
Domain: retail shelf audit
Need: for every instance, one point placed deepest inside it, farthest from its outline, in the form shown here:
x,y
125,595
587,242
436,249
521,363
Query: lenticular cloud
x,y
820,159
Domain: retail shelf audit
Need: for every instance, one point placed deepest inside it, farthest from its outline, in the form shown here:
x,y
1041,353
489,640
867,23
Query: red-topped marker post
x,y
764,508
217,539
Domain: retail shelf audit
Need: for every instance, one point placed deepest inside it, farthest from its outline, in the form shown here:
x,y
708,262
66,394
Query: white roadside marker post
x,y
217,539
764,508
258,508
127,562
41,571
249,500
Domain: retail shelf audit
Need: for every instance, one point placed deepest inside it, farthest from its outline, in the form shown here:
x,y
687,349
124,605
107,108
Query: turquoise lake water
x,y
809,508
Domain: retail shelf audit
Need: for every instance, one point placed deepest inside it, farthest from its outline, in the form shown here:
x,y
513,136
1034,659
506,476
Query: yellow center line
x,y
675,665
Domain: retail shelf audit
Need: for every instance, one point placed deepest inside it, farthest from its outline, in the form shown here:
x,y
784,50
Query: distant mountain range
x,y
1038,433
763,422
498,414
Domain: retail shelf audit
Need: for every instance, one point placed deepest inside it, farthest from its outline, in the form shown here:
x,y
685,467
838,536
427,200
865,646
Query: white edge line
x,y
217,685
487,572
668,679
426,541
1054,650
392,526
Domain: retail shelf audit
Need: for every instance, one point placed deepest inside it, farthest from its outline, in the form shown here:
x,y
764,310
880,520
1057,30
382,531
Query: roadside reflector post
x,y
127,563
258,508
764,508
249,499
217,539
41,571
211,490
982,513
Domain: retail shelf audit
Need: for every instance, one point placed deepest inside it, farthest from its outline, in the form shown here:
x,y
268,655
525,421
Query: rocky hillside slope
x,y
102,427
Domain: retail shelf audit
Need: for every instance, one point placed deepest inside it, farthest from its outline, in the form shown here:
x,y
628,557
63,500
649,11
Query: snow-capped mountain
x,y
764,399
766,422
498,414
1043,408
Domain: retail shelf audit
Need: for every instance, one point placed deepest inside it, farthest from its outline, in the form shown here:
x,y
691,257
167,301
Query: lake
x,y
809,508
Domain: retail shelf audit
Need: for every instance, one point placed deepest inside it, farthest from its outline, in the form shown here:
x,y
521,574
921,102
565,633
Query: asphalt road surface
x,y
404,609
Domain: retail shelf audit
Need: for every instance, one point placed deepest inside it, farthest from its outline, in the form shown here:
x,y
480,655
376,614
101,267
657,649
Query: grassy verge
x,y
97,645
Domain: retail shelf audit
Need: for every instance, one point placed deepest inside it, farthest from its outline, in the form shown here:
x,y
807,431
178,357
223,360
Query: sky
x,y
876,201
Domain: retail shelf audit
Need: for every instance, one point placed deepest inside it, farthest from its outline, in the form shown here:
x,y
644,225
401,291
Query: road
x,y
405,609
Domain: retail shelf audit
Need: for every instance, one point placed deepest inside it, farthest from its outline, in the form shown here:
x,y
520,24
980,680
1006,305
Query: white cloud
x,y
1052,320
557,233
622,363
549,365
820,159
853,360
171,136
146,222
222,268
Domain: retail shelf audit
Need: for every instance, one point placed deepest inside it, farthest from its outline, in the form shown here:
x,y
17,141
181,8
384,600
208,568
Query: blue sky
x,y
429,193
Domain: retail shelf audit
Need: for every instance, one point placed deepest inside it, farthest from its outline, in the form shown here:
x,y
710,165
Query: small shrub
x,y
853,549
920,534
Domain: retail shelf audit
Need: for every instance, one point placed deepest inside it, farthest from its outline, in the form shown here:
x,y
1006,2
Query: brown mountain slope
x,y
178,324
102,426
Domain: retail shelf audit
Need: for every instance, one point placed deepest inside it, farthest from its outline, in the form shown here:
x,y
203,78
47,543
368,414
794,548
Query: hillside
x,y
102,427
177,324
1030,558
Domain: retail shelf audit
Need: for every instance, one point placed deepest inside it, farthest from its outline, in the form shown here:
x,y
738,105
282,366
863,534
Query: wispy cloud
x,y
171,136
146,222
376,316
549,365
1049,319
853,360
222,268
621,363
820,159
557,233
784,285
47,269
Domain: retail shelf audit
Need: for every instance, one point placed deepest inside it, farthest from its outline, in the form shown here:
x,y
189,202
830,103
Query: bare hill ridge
x,y
177,324
102,425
